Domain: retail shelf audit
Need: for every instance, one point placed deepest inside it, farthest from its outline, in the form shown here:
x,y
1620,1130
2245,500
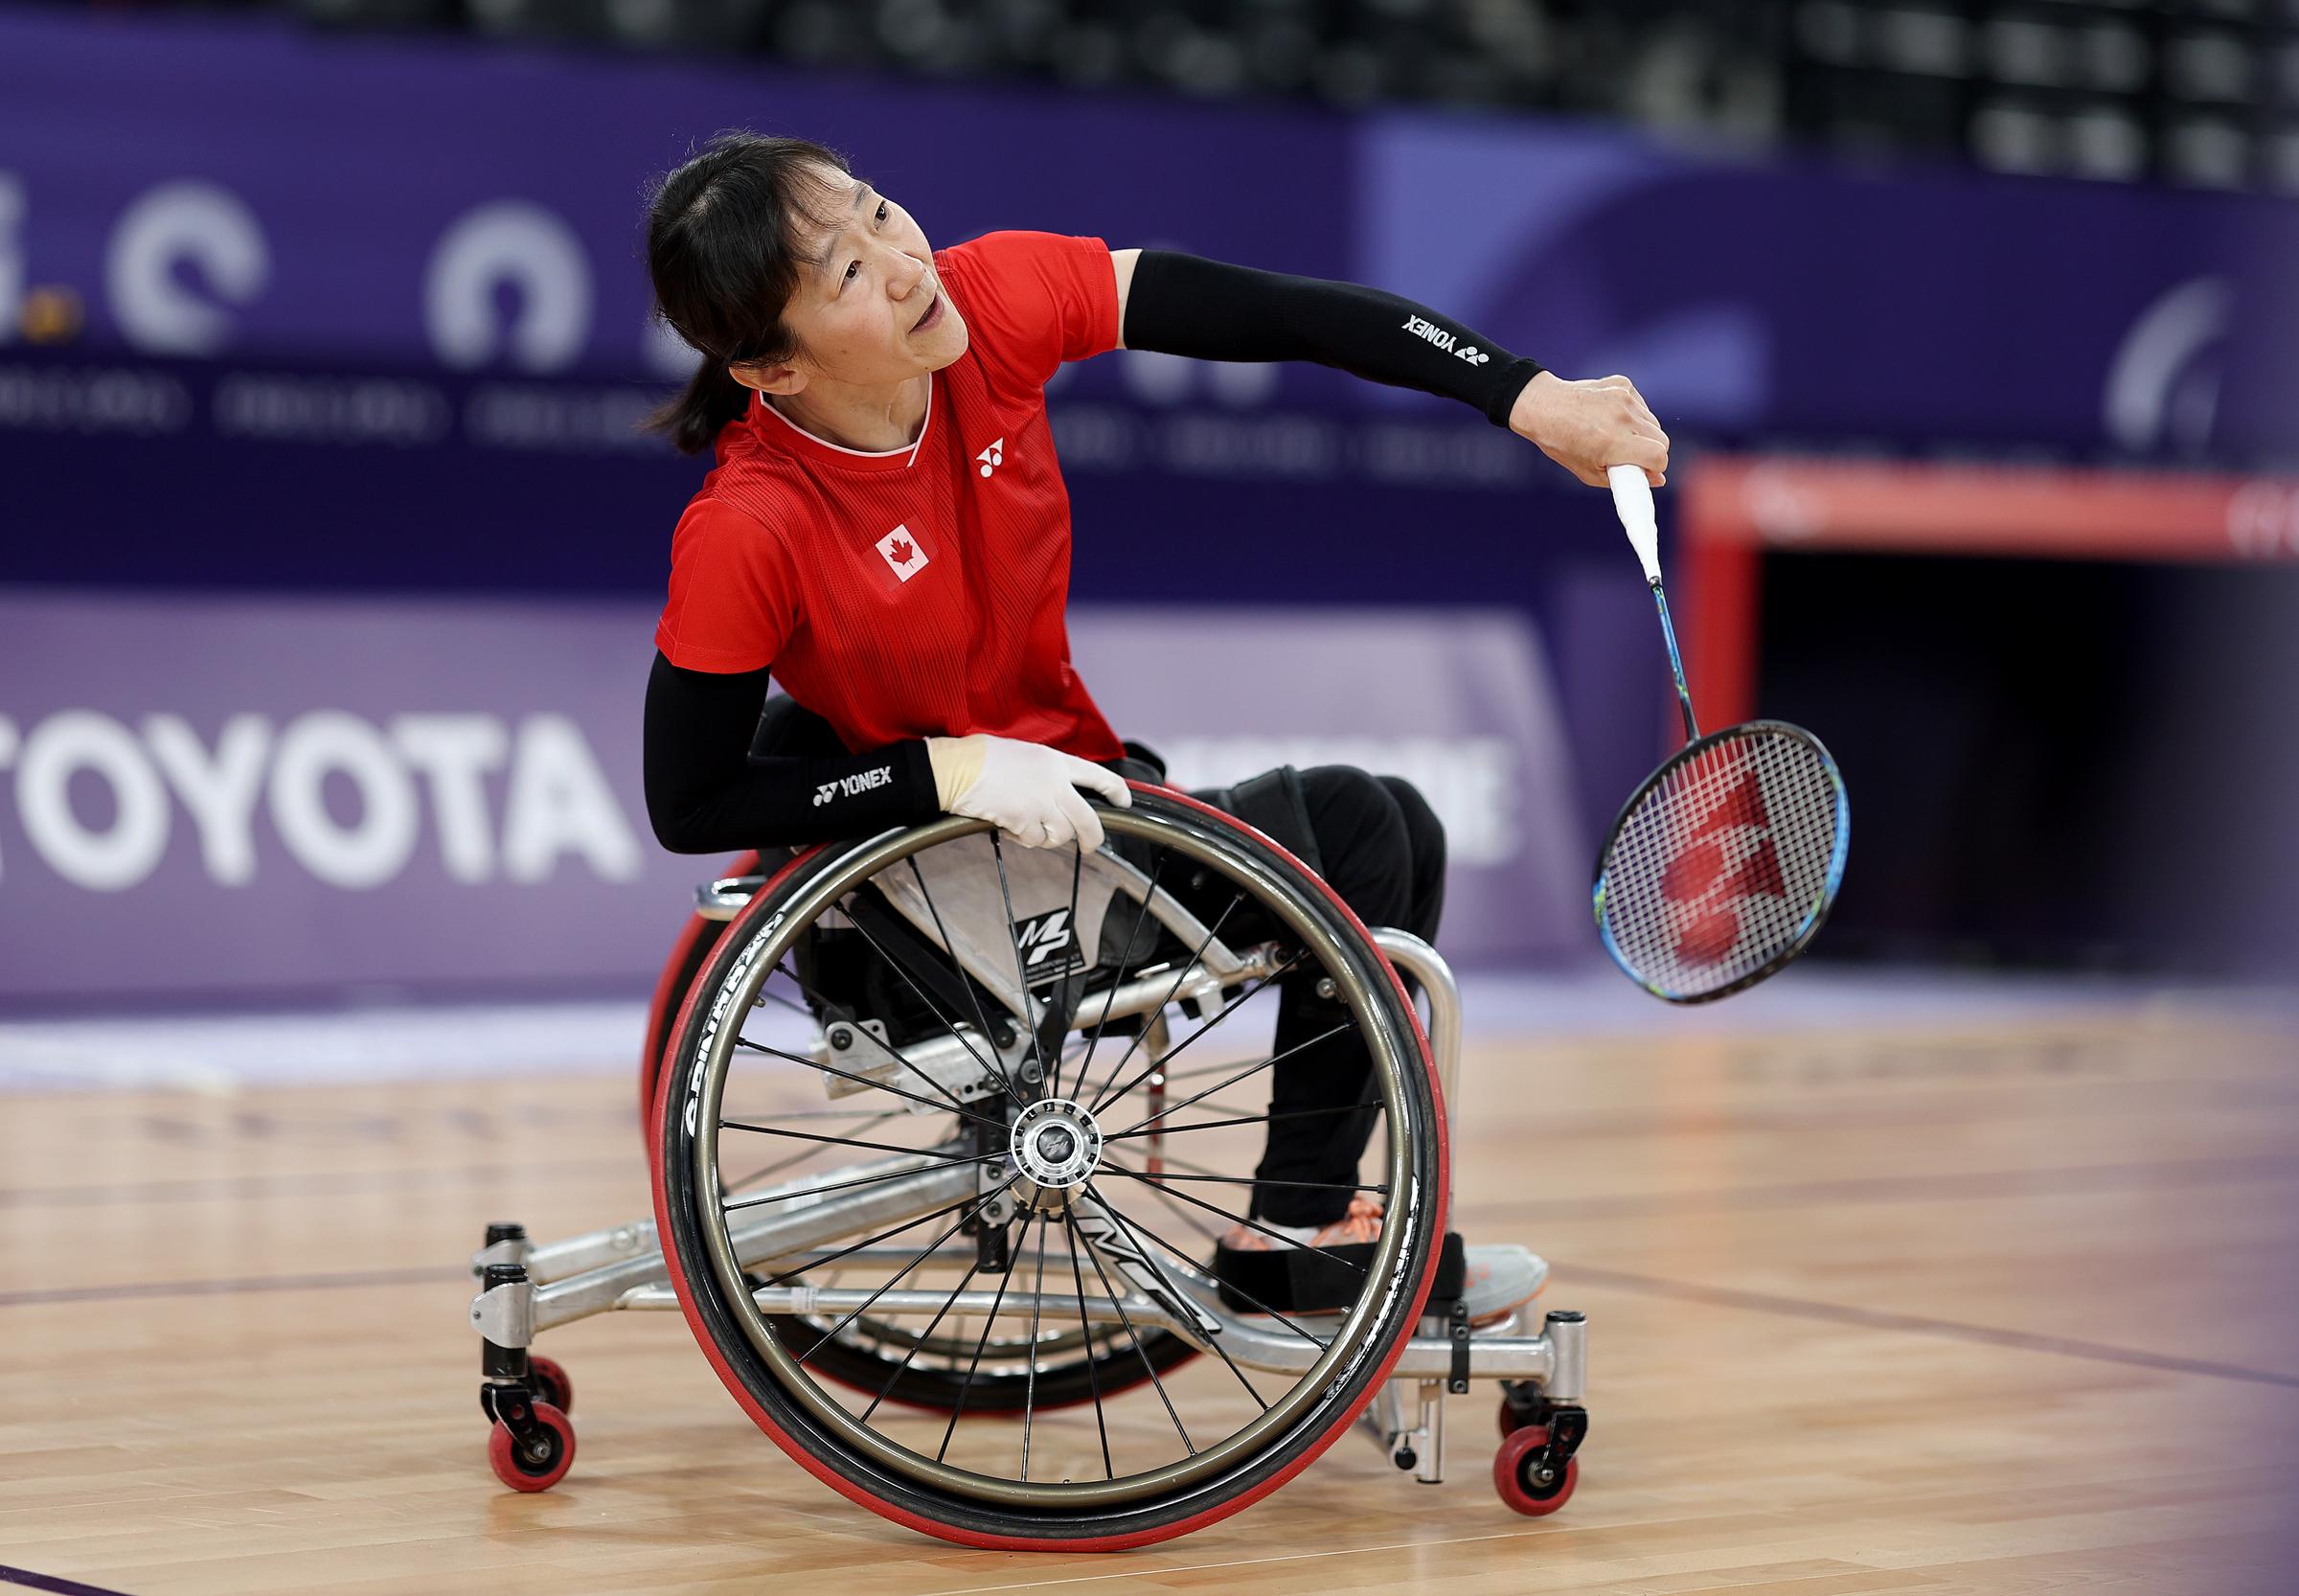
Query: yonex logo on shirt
x,y
993,457
902,551
845,787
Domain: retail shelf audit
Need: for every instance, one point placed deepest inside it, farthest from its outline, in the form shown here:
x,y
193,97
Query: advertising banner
x,y
422,203
258,798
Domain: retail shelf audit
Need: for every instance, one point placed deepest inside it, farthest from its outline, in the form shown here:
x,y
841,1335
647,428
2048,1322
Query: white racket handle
x,y
1632,499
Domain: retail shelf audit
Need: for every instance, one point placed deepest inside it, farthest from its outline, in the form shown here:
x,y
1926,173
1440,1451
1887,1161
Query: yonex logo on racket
x,y
1713,887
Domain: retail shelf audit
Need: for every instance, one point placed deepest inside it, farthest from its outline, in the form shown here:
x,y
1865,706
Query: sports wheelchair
x,y
943,1129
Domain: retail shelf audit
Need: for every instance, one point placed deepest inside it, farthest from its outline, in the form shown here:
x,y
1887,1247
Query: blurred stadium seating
x,y
2191,92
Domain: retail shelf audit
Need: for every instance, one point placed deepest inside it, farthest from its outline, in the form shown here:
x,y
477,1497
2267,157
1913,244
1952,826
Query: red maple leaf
x,y
900,552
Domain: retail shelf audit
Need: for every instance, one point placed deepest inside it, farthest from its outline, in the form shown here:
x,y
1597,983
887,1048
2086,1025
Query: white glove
x,y
1027,790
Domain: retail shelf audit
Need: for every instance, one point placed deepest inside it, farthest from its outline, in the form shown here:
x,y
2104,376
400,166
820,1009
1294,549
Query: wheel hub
x,y
1056,1148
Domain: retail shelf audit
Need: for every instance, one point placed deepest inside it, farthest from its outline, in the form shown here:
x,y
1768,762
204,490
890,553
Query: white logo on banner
x,y
2163,385
509,242
203,225
556,803
1471,782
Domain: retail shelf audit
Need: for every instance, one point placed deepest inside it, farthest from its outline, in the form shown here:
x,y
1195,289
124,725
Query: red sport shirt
x,y
920,592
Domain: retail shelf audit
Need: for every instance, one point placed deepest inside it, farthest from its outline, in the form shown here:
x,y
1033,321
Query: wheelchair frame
x,y
529,1289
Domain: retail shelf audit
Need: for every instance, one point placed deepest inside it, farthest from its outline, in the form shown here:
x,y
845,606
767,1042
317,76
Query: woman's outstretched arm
x,y
1184,304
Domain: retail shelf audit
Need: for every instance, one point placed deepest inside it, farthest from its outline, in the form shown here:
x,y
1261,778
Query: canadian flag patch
x,y
902,553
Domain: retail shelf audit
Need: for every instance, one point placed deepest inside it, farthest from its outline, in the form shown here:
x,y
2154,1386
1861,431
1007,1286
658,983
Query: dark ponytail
x,y
726,244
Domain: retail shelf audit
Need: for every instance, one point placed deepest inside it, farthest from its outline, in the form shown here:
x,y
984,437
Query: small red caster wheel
x,y
1516,1473
1509,1417
539,1463
547,1378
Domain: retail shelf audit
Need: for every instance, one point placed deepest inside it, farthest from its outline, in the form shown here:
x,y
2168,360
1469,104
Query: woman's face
x,y
860,300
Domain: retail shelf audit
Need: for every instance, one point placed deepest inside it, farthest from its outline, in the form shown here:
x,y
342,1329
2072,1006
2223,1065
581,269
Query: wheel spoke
x,y
923,1337
1038,1297
838,1141
1247,1119
1094,1257
1179,976
927,1251
1093,1375
841,1185
1252,1181
781,1164
1251,1069
1250,1224
1257,1305
949,1024
1215,1340
866,1081
1053,1082
870,1241
1227,1008
973,994
1029,1014
1187,1217
883,1045
966,1387
1140,915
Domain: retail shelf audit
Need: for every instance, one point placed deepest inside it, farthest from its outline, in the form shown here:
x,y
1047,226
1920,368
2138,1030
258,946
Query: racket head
x,y
1722,865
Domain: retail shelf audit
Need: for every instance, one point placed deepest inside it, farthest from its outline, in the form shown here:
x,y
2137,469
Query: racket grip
x,y
1632,500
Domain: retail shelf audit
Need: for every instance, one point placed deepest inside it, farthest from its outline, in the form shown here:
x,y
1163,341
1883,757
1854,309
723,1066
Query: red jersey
x,y
920,592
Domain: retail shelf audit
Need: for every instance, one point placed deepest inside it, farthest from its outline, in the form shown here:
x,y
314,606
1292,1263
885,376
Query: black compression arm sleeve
x,y
706,792
1184,304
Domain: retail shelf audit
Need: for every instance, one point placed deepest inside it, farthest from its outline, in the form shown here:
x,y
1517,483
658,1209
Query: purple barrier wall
x,y
251,796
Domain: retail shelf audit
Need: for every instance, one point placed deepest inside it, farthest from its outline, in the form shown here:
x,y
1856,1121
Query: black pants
x,y
1382,850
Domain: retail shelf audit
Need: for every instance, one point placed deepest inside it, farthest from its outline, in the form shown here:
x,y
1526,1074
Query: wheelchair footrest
x,y
1323,1280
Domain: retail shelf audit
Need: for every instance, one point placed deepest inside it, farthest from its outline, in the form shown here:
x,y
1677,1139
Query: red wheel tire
x,y
547,1378
522,1470
689,953
1524,1495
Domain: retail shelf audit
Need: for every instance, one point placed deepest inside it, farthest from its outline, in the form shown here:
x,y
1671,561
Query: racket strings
x,y
1724,865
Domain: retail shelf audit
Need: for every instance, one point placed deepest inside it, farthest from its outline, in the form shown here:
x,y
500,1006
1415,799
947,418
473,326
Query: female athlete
x,y
886,533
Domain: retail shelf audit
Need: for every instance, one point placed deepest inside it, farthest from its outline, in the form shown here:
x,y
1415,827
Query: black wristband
x,y
1212,311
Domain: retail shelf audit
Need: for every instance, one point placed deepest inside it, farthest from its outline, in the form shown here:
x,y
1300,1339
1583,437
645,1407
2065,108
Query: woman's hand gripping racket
x,y
1721,866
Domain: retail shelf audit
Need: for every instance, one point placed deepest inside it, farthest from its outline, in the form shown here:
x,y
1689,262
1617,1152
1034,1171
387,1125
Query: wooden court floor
x,y
2002,1307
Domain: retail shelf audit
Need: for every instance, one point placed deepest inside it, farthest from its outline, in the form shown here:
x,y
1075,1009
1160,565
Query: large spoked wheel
x,y
904,1115
866,1352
